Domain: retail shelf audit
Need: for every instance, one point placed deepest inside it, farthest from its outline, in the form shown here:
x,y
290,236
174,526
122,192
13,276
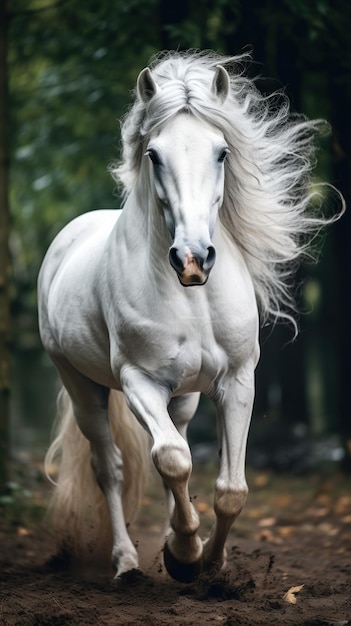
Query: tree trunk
x,y
5,332
341,122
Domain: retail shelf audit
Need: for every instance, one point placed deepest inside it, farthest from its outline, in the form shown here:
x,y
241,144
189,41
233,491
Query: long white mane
x,y
271,208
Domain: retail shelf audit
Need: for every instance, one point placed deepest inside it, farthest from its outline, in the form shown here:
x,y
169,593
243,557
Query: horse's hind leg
x,y
90,402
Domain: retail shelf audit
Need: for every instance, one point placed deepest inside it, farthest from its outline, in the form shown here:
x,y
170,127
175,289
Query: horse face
x,y
187,160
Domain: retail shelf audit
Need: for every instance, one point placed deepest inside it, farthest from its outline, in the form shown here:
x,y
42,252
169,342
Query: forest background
x,y
67,72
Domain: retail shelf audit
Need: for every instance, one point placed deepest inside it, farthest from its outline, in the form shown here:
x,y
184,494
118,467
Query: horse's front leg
x,y
234,408
181,409
171,456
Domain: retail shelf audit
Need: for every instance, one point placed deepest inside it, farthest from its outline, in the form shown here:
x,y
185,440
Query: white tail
x,y
78,508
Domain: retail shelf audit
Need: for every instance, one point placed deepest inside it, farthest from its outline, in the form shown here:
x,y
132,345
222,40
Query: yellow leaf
x,y
343,505
286,531
267,522
289,596
261,480
283,500
323,499
328,529
202,507
266,535
254,513
24,532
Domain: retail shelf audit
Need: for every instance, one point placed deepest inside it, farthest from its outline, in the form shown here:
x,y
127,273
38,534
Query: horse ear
x,y
146,85
221,83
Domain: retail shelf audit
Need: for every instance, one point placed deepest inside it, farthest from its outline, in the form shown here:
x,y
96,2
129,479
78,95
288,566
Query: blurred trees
x,y
71,68
71,71
5,326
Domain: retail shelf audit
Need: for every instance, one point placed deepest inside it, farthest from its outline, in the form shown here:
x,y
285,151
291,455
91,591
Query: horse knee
x,y
173,462
229,501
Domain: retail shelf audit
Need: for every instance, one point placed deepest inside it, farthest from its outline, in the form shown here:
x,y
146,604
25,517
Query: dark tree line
x,y
69,70
5,323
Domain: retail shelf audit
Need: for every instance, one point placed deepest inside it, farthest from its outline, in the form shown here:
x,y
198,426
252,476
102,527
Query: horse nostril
x,y
175,261
211,257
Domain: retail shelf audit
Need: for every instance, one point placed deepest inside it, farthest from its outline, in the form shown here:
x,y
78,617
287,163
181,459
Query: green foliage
x,y
318,28
71,69
205,25
72,66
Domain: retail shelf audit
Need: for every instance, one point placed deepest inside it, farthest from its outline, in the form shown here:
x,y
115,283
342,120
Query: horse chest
x,y
185,352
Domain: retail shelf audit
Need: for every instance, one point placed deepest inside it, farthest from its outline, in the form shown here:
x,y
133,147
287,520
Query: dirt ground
x,y
289,561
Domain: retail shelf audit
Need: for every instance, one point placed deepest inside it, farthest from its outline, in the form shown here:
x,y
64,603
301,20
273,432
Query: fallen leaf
x,y
254,513
323,499
267,522
283,500
24,532
289,596
261,480
328,529
318,511
266,535
343,505
286,531
202,506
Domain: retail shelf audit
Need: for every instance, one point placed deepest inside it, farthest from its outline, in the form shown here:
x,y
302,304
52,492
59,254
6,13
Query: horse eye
x,y
153,156
223,155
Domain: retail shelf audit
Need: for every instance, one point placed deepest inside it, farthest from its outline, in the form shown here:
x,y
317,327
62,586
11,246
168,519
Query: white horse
x,y
152,305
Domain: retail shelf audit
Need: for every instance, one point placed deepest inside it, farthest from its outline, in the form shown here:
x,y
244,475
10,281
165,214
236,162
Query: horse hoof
x,y
183,572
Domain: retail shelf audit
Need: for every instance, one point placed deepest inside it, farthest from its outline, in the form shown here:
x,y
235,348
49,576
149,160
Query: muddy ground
x,y
289,561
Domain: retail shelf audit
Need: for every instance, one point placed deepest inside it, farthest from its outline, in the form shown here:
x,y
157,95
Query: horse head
x,y
187,158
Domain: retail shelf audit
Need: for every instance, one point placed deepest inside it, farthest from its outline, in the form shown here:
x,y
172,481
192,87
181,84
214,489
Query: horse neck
x,y
144,225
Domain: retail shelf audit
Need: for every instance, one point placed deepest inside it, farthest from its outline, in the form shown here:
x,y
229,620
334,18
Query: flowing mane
x,y
271,208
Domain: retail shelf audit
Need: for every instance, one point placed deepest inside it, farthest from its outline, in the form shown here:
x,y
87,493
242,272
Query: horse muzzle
x,y
192,268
